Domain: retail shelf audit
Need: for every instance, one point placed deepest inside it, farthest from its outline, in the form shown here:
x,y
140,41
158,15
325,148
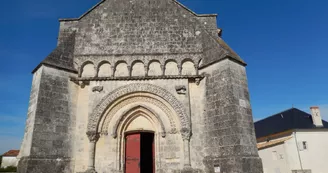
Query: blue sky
x,y
283,42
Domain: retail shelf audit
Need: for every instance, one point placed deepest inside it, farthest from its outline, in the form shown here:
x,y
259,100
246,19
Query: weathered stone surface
x,y
42,164
229,130
52,132
140,66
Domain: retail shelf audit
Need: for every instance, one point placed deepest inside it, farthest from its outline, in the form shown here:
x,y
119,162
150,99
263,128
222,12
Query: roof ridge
x,y
102,1
276,114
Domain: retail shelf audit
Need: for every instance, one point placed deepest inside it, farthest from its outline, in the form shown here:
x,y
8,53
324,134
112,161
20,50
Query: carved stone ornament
x,y
181,89
97,89
93,136
139,98
124,115
82,84
197,81
185,133
132,88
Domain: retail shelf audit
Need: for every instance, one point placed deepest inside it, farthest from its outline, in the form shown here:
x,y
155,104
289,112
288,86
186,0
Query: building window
x,y
302,145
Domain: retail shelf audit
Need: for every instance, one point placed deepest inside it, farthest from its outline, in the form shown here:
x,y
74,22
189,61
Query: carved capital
x,y
174,131
185,133
104,133
93,136
114,135
163,134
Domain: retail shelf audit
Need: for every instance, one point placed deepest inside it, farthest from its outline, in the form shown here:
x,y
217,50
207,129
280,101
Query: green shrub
x,y
9,169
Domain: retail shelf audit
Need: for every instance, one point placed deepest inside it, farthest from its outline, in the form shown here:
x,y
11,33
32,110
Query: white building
x,y
9,158
293,141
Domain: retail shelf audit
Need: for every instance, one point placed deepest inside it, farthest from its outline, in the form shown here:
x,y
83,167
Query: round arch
x,y
100,109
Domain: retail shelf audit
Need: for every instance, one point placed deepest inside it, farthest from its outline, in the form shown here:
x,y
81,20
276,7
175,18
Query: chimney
x,y
316,117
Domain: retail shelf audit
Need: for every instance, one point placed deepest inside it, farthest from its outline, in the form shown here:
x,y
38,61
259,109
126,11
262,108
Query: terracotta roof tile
x,y
11,153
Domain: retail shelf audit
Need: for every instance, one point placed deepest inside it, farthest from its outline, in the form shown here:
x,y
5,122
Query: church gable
x,y
139,27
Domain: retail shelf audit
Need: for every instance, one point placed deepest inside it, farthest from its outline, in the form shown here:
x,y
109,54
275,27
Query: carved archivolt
x,y
95,117
138,110
133,99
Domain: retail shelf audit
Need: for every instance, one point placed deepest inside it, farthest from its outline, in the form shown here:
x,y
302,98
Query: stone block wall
x,y
158,41
53,126
228,125
27,140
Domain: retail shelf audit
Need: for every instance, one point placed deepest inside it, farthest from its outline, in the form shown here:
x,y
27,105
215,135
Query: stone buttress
x,y
140,66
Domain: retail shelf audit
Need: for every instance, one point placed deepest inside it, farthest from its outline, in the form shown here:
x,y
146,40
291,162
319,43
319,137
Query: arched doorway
x,y
138,108
139,152
139,131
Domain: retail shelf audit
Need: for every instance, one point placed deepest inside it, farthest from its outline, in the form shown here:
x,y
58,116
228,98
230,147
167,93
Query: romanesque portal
x,y
140,86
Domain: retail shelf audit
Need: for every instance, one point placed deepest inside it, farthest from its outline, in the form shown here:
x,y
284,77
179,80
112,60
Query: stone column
x,y
113,70
130,70
93,138
180,69
96,71
197,70
186,148
146,70
163,70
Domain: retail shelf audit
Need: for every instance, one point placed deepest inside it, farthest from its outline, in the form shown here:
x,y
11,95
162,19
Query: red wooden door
x,y
132,153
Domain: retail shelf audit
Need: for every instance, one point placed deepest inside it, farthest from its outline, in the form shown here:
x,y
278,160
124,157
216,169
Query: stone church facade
x,y
140,86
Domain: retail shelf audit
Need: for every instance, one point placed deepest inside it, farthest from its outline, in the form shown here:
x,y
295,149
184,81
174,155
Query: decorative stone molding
x,y
146,59
126,114
87,79
93,136
181,89
133,99
98,112
97,89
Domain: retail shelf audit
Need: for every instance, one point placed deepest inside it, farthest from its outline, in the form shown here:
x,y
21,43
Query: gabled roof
x,y
287,120
11,153
102,1
62,56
